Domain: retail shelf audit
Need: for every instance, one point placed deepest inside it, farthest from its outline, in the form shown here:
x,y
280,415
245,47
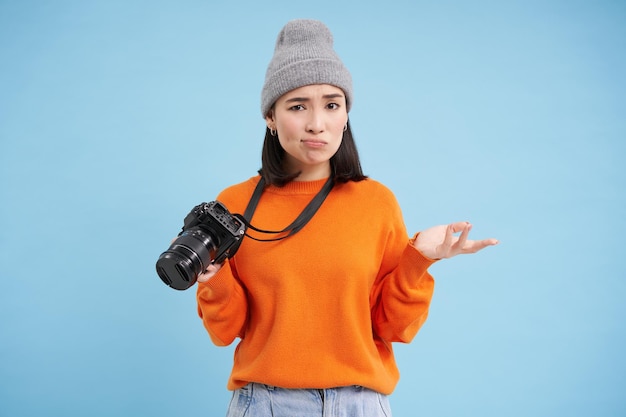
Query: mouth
x,y
314,143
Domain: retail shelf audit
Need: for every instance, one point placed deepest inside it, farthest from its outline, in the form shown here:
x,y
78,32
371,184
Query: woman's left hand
x,y
440,241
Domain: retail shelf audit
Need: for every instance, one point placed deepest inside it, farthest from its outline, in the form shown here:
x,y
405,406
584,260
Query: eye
x,y
333,106
297,107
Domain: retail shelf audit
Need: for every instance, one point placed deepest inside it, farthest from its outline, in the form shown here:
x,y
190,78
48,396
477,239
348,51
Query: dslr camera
x,y
210,235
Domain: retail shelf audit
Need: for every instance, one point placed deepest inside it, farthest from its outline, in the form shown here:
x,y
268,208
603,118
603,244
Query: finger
x,y
481,244
450,247
207,273
473,246
461,243
490,242
449,236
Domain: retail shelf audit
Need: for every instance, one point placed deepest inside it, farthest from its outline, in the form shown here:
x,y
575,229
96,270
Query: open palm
x,y
440,242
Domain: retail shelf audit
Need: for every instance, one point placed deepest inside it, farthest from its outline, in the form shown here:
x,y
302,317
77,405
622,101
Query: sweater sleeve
x,y
222,306
222,300
401,294
401,298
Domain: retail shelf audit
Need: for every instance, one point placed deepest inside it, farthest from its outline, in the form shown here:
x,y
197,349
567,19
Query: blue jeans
x,y
258,400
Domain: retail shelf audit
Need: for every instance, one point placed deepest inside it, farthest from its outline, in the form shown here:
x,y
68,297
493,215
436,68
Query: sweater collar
x,y
298,187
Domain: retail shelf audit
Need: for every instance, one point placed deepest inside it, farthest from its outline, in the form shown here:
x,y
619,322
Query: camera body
x,y
210,235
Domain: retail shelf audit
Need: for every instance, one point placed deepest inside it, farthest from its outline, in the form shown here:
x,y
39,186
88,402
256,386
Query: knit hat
x,y
303,55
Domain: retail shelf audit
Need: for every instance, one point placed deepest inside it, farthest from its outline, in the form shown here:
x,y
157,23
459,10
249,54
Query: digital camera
x,y
210,235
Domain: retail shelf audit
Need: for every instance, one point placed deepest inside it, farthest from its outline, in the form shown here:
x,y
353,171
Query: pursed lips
x,y
313,142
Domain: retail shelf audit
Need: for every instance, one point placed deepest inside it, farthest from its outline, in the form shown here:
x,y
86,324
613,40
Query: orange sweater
x,y
320,308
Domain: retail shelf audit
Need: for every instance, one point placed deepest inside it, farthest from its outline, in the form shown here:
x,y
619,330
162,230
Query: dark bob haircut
x,y
344,164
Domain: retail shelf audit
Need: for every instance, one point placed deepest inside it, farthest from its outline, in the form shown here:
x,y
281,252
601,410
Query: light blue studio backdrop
x,y
117,117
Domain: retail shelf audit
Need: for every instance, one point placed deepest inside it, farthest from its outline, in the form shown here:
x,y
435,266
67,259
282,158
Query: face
x,y
309,122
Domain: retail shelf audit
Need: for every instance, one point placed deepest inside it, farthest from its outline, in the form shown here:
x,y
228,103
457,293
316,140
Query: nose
x,y
315,122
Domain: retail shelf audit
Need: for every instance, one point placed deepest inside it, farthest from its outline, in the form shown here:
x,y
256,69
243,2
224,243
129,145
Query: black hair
x,y
345,164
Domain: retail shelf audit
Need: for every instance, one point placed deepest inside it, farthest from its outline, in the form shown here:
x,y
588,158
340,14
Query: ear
x,y
269,120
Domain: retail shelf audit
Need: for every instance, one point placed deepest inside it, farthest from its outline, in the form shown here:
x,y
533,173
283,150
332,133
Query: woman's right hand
x,y
209,272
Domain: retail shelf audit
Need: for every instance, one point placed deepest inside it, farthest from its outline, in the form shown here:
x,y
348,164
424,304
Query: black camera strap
x,y
295,226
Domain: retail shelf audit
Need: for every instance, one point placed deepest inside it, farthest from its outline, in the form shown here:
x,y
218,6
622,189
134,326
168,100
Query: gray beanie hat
x,y
303,55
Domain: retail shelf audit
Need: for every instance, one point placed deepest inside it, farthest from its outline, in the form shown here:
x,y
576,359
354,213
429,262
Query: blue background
x,y
117,117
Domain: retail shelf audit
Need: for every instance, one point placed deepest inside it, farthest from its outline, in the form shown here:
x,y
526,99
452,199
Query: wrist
x,y
426,252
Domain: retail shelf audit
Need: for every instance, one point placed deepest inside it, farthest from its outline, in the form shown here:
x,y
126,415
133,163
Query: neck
x,y
313,173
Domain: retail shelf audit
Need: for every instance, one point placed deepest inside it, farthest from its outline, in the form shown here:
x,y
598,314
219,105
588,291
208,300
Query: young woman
x,y
317,310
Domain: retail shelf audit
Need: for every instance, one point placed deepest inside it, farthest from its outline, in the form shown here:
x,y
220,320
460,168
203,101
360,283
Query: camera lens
x,y
189,255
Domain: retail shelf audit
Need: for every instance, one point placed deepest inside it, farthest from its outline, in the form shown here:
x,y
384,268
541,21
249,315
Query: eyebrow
x,y
326,96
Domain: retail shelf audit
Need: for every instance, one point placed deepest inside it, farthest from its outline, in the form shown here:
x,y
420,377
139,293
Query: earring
x,y
272,132
345,127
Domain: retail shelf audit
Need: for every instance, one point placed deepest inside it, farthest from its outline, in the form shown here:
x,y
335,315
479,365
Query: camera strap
x,y
295,226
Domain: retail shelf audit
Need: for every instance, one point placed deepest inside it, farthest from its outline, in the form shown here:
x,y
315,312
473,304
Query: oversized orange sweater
x,y
320,308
